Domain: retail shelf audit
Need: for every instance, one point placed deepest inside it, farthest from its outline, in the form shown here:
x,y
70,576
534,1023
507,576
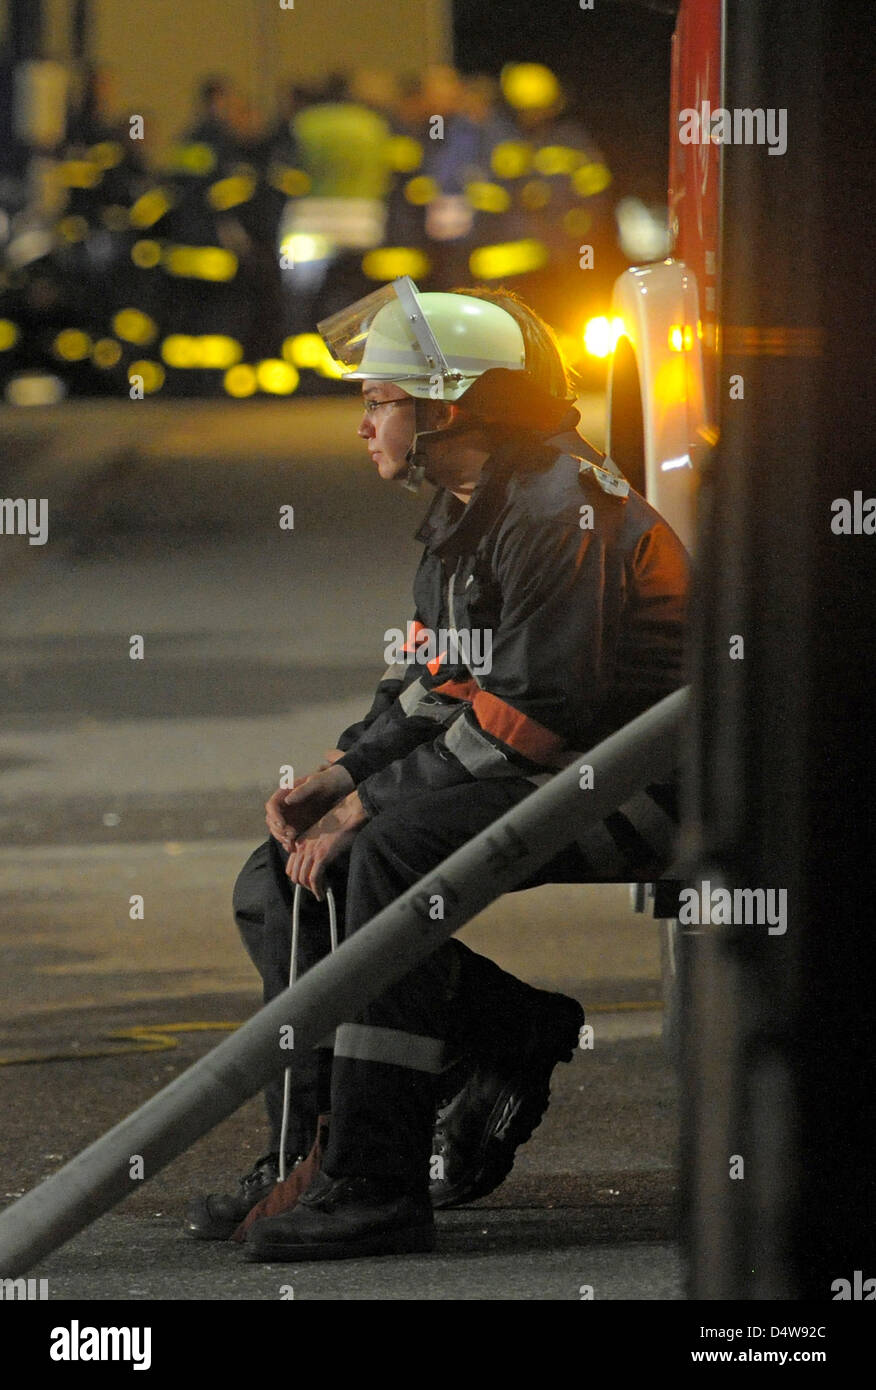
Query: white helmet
x,y
434,346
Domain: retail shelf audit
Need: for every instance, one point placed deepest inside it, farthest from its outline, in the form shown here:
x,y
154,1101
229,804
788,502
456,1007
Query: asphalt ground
x,y
148,777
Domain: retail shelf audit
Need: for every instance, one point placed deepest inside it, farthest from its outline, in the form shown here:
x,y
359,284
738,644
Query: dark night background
x,y
613,62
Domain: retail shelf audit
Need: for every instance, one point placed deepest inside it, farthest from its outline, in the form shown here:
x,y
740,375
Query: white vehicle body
x,y
657,427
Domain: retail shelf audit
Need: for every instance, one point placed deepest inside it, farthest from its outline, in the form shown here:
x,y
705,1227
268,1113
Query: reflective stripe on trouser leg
x,y
383,1110
391,1045
383,1102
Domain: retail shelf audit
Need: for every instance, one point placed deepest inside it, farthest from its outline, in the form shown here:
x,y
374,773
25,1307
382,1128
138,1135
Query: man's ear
x,y
444,413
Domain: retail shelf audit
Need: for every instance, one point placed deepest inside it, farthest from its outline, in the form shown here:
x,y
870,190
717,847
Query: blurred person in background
x,y
216,123
278,142
451,143
558,183
342,148
376,88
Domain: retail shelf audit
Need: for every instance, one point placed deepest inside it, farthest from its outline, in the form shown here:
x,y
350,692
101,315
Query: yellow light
x,y
8,334
681,337
277,377
181,350
230,192
577,221
134,326
73,228
601,335
332,369
193,159
293,182
240,381
107,154
529,86
78,173
403,153
487,197
299,247
421,190
507,258
106,352
389,262
309,350
200,262
146,254
207,350
152,374
510,159
590,179
556,159
72,344
149,207
303,349
535,194
216,350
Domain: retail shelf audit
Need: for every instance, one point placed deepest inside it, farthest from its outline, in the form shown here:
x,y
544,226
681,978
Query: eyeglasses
x,y
370,406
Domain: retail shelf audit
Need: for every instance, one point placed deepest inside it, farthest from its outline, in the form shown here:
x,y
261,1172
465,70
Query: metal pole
x,y
501,857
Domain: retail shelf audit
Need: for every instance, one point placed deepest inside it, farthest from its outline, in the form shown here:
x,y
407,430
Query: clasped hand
x,y
315,821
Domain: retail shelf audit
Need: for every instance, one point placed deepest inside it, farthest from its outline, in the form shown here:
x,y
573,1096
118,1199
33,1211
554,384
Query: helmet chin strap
x,y
416,465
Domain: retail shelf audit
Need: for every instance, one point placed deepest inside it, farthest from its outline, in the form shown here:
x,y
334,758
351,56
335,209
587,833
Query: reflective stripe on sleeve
x,y
418,702
411,696
396,672
477,755
526,736
389,1045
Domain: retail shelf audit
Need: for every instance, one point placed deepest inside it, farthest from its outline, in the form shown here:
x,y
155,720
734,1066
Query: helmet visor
x,y
346,332
413,357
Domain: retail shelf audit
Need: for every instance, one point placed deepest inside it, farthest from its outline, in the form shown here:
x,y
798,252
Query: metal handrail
x,y
399,938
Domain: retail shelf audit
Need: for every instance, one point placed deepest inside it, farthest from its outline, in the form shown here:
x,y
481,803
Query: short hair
x,y
543,355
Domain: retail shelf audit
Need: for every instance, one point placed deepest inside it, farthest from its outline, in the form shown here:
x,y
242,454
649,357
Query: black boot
x,y
217,1215
493,1105
343,1218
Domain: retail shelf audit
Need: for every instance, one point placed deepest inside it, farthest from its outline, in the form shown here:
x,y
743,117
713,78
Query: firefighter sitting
x,y
572,591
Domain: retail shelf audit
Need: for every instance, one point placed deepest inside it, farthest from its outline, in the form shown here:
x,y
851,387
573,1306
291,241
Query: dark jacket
x,y
569,594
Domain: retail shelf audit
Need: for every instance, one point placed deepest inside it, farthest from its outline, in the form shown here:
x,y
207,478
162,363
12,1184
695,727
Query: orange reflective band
x,y
526,736
458,690
417,633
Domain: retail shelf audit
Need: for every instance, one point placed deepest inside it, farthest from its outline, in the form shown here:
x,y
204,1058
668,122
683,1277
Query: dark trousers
x,y
388,1061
